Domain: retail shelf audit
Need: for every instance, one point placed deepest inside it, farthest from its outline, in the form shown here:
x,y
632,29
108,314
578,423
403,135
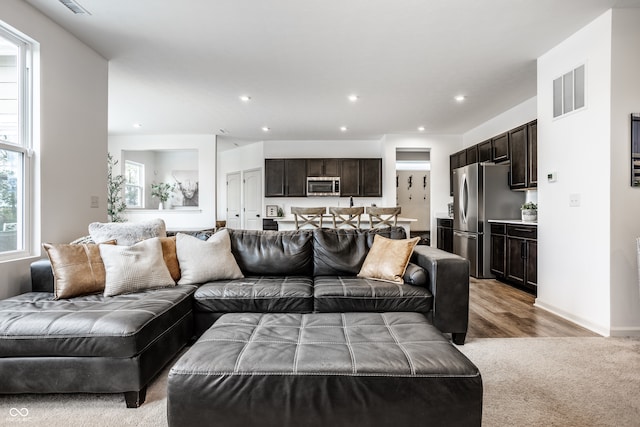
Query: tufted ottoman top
x,y
324,369
391,344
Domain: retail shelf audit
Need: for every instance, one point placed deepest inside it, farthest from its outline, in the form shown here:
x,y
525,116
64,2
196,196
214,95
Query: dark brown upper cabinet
x,y
518,169
500,145
472,155
350,177
323,167
285,177
533,153
371,177
485,152
523,151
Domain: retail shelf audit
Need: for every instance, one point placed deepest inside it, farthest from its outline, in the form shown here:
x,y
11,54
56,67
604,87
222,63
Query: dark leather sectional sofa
x,y
118,344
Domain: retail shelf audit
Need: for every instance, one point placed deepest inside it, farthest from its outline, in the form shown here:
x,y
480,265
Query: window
x,y
134,184
15,144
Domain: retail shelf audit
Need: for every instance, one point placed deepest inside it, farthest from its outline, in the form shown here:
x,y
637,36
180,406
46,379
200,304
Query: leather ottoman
x,y
324,369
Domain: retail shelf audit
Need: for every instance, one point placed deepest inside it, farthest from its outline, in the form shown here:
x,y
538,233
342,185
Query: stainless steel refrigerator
x,y
480,193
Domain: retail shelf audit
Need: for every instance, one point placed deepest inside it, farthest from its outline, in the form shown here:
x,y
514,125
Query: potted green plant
x,y
529,211
162,191
115,184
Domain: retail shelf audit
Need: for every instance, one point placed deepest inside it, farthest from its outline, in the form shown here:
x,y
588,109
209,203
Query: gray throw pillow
x,y
127,233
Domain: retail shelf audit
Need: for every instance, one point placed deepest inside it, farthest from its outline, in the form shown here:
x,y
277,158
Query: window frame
x,y
140,187
24,145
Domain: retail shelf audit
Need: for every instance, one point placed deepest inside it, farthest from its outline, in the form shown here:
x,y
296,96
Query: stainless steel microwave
x,y
323,186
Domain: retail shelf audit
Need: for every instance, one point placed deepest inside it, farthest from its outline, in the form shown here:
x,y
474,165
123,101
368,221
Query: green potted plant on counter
x,y
529,212
162,191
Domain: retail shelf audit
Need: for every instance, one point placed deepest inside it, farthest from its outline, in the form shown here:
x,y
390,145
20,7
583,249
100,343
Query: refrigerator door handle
x,y
465,235
464,198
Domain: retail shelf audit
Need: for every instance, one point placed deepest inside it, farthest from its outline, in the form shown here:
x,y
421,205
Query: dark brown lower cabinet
x,y
445,234
514,254
498,246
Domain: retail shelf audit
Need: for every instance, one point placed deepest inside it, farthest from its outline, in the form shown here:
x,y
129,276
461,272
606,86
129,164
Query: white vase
x,y
529,215
160,206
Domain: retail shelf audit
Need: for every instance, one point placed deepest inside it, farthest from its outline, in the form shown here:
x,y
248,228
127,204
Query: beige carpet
x,y
527,382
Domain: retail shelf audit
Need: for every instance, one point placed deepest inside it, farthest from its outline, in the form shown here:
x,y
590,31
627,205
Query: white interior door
x,y
252,199
234,208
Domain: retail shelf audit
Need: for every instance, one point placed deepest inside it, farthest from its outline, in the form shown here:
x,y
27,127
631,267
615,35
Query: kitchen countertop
x,y
514,221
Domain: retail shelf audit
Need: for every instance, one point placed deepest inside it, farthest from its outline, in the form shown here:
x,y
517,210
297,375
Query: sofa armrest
x,y
41,276
449,283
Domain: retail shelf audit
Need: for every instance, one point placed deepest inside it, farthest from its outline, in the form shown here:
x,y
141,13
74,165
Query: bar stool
x,y
345,217
383,217
308,216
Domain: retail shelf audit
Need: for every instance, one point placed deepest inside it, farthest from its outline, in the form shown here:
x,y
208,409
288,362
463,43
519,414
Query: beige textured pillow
x,y
388,258
77,269
134,268
205,261
170,256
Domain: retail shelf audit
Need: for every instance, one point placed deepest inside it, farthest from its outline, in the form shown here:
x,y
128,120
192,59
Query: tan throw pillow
x,y
77,269
134,268
387,259
127,233
205,261
170,256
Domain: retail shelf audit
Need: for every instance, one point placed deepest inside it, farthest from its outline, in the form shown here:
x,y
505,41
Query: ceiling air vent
x,y
74,7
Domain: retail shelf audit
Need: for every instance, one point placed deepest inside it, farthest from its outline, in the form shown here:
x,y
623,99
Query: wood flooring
x,y
497,310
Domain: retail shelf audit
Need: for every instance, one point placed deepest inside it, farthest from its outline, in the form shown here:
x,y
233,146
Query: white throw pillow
x,y
205,261
127,233
134,268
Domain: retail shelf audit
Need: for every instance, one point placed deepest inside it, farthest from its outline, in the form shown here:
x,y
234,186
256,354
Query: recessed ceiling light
x,y
265,129
353,98
421,128
245,98
137,125
460,98
343,128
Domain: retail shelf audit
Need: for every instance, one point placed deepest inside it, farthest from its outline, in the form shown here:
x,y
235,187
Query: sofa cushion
x,y
170,256
256,294
127,233
350,293
33,324
388,258
415,275
77,269
204,261
342,251
273,253
134,268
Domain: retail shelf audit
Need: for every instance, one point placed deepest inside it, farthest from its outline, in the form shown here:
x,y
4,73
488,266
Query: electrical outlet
x,y
95,202
574,200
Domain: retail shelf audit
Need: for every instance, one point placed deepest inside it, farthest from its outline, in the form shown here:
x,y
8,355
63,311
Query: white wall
x,y
625,200
440,147
205,145
574,243
71,140
514,117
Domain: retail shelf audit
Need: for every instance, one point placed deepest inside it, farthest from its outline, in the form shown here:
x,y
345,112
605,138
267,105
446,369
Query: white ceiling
x,y
179,67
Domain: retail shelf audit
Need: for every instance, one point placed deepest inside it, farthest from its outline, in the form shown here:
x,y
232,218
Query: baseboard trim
x,y
598,329
625,331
